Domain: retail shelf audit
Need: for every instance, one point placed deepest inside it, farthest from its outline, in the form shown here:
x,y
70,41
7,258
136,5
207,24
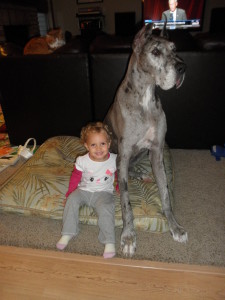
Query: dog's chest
x,y
150,105
145,99
147,138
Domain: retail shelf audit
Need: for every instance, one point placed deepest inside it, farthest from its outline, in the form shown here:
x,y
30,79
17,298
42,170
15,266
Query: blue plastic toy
x,y
218,152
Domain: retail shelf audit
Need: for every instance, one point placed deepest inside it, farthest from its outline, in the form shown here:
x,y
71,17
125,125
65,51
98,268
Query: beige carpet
x,y
199,206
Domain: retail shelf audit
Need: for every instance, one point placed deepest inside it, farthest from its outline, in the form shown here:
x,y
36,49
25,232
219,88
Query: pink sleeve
x,y
74,181
117,182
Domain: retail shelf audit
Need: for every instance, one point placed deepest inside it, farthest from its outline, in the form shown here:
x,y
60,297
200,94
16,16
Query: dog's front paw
x,y
128,242
180,235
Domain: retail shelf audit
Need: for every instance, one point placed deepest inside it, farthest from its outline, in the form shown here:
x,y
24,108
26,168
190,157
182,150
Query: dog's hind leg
x,y
156,158
128,236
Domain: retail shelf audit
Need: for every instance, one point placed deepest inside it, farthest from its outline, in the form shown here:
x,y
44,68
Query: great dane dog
x,y
138,123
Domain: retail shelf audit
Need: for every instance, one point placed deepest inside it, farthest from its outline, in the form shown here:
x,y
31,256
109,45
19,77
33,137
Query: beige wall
x,y
65,13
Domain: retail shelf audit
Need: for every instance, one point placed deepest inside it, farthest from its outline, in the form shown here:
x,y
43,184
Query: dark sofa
x,y
57,94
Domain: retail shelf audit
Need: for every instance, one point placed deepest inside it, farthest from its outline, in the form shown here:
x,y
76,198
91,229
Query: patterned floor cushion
x,y
38,188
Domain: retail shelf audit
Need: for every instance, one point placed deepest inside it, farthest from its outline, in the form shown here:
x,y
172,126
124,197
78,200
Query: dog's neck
x,y
143,87
139,81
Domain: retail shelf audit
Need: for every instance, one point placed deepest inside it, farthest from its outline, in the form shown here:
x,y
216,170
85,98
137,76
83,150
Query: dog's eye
x,y
156,51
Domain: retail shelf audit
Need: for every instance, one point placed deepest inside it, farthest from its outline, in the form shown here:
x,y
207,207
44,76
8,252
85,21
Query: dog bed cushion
x,y
39,187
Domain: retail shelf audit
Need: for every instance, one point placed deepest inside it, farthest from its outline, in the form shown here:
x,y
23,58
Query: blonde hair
x,y
94,127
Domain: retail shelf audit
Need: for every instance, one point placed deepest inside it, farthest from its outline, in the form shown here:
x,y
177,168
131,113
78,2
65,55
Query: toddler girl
x,y
91,183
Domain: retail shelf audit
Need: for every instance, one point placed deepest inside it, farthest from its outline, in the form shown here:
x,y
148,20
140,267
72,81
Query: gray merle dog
x,y
138,123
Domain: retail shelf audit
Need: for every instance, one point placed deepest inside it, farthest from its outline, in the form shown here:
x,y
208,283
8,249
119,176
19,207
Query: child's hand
x,y
64,201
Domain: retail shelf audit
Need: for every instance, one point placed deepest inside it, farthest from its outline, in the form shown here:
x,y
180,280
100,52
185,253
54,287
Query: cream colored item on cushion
x,y
39,187
26,152
21,151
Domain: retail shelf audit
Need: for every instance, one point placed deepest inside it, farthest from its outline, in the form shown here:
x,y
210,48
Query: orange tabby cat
x,y
45,45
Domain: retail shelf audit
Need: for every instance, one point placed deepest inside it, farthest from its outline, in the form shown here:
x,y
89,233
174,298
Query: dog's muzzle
x,y
180,69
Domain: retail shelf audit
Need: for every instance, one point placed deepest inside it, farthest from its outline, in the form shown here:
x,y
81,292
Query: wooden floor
x,y
38,274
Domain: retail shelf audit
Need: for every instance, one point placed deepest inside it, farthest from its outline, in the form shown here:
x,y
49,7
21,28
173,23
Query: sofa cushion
x,y
111,44
45,95
75,45
210,41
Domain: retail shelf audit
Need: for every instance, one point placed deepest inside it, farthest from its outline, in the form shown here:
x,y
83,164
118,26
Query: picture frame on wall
x,y
88,1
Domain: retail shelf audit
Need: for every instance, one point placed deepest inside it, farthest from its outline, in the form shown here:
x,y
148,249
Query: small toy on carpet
x,y
218,152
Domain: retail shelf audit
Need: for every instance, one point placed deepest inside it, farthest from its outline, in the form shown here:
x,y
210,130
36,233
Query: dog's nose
x,y
180,67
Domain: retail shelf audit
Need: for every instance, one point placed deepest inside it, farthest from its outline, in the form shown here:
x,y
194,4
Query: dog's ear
x,y
141,37
164,32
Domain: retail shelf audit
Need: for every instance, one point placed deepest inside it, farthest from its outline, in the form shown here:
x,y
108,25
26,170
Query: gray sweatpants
x,y
103,204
